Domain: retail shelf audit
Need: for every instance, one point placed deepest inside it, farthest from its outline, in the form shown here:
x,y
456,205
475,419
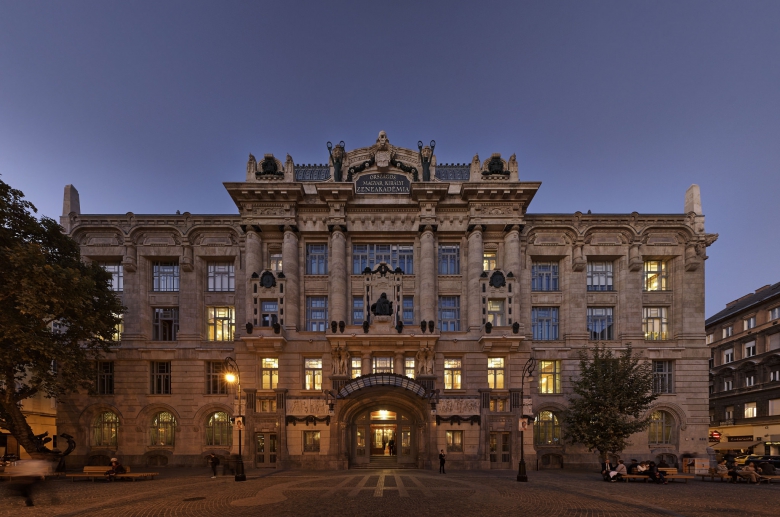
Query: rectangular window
x,y
729,412
728,355
452,374
544,321
663,377
655,323
105,378
409,367
454,441
119,328
544,276
710,338
356,369
216,384
117,282
165,276
728,385
311,441
488,261
165,324
312,374
599,276
749,323
549,377
499,405
774,407
382,364
449,259
728,331
220,321
496,373
408,310
265,406
270,373
774,376
316,313
221,277
774,341
358,310
161,378
269,313
750,349
600,324
496,312
750,410
750,380
655,275
774,313
316,259
371,255
449,313
275,262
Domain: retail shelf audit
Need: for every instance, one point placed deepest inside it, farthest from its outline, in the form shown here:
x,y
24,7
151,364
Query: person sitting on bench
x,y
116,468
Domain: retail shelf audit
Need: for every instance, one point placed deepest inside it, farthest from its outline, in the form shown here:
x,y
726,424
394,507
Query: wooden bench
x,y
635,477
712,474
93,473
671,474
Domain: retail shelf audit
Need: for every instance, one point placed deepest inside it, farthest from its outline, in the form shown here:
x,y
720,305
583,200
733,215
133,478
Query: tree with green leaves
x,y
58,314
611,395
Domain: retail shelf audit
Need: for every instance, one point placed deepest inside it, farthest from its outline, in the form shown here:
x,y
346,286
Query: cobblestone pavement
x,y
182,492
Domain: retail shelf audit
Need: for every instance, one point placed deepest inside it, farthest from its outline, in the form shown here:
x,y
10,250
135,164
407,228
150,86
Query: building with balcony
x,y
382,307
744,341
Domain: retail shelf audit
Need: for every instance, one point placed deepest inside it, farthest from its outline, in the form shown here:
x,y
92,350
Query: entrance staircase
x,y
384,462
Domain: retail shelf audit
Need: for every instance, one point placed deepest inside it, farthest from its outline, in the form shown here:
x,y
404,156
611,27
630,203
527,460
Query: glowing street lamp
x,y
233,375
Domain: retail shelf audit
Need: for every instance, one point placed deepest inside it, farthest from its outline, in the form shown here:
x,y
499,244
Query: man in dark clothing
x,y
116,468
213,462
632,467
606,468
441,462
767,469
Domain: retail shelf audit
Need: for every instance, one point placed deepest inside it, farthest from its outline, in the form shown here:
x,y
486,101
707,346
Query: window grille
x,y
599,276
316,259
165,324
371,255
655,323
221,277
117,282
163,430
216,384
663,377
105,430
105,378
655,278
409,367
449,259
488,260
544,276
316,313
496,312
356,365
165,276
454,441
220,322
160,378
660,431
449,313
219,430
358,310
547,429
549,377
275,262
408,310
600,324
544,321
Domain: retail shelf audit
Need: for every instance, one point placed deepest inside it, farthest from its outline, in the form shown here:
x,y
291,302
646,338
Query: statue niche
x,y
382,307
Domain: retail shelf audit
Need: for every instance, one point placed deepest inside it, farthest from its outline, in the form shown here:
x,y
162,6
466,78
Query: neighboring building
x,y
41,414
744,341
372,306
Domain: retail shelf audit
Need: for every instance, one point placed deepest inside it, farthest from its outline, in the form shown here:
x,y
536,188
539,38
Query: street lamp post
x,y
528,370
233,375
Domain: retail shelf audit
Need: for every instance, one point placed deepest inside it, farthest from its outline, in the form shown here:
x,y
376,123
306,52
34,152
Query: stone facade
x,y
371,306
744,341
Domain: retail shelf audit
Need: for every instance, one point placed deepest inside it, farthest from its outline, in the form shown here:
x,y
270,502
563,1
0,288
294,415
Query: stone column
x,y
292,285
366,363
474,271
337,297
427,276
253,265
398,367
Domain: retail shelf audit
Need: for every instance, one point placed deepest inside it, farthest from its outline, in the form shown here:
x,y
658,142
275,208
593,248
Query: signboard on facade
x,y
748,438
382,184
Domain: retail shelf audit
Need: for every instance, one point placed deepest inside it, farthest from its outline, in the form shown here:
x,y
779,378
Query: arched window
x,y
105,428
661,423
219,430
163,429
547,429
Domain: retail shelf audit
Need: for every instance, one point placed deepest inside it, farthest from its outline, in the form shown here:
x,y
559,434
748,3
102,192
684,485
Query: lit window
x,y
311,441
454,441
547,429
160,383
265,406
313,374
117,282
316,259
449,259
600,324
599,276
219,430
544,322
165,276
105,429
449,313
499,405
382,364
749,323
663,377
496,373
655,275
495,314
316,313
275,262
655,323
220,322
221,277
216,384
409,367
452,374
750,410
356,367
488,261
544,276
119,328
660,431
549,377
163,430
270,373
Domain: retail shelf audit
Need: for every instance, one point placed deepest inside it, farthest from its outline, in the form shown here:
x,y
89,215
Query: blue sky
x,y
614,106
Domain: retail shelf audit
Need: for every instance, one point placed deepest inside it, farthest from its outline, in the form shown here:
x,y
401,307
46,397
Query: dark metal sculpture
x,y
426,158
382,307
337,156
488,327
333,326
495,167
431,326
365,327
249,328
267,280
342,326
269,167
497,279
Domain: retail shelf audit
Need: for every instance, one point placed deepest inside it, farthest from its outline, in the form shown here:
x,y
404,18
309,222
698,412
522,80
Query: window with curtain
x,y
163,430
105,429
219,430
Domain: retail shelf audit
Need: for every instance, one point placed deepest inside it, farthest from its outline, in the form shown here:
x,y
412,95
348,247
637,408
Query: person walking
x,y
442,459
213,462
26,476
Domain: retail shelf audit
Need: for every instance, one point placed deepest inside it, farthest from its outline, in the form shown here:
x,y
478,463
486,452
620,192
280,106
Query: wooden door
x,y
266,446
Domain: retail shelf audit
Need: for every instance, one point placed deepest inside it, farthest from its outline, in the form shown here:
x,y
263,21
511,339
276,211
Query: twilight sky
x,y
615,106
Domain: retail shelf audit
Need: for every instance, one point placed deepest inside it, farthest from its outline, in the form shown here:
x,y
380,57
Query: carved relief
x,y
306,407
458,407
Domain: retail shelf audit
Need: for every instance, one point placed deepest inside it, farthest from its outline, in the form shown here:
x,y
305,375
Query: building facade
x,y
382,308
744,341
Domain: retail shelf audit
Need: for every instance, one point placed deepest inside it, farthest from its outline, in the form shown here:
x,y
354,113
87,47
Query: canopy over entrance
x,y
383,379
735,446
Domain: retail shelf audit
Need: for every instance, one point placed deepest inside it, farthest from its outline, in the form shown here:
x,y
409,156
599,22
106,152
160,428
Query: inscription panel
x,y
382,184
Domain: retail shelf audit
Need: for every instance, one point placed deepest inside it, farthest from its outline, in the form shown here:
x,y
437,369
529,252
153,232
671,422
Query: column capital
x,y
476,227
513,228
288,228
332,228
429,228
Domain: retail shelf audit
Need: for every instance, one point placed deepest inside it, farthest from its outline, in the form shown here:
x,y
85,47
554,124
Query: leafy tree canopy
x,y
44,284
610,398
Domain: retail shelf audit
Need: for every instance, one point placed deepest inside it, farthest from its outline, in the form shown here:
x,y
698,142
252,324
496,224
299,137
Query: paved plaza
x,y
187,492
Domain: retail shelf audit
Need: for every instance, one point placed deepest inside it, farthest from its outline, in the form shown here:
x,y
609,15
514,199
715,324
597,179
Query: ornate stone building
x,y
382,308
744,340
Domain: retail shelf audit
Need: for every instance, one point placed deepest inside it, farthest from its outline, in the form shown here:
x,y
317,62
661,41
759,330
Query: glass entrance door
x,y
500,456
383,441
265,450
